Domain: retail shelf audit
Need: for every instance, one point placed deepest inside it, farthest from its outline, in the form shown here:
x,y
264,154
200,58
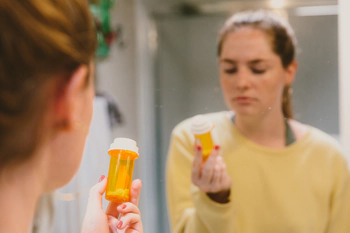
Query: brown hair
x,y
40,40
282,35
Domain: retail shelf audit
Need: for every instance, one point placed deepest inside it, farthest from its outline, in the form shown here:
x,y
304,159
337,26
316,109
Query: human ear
x,y
68,99
291,72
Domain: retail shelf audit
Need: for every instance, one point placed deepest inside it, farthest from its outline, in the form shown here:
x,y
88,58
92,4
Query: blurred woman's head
x,y
256,52
46,51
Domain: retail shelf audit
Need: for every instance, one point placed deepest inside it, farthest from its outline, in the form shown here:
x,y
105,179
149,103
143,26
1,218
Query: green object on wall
x,y
101,12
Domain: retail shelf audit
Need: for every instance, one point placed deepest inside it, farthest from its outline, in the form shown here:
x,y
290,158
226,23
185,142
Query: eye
x,y
230,71
258,71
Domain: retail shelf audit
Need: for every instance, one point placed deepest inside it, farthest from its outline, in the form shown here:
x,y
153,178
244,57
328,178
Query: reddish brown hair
x,y
39,40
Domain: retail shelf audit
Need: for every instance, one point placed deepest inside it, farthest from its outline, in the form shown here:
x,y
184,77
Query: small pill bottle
x,y
123,153
201,128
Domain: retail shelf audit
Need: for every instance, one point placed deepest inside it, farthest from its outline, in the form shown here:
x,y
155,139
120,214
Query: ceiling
x,y
166,6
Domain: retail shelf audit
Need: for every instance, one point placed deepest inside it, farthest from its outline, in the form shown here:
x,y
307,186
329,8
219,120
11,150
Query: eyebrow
x,y
228,61
257,61
253,62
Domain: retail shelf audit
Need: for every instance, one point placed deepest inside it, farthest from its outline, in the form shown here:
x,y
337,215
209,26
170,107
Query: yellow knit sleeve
x,y
339,219
190,210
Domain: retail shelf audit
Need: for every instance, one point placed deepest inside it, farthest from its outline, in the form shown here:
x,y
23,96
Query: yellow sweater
x,y
303,188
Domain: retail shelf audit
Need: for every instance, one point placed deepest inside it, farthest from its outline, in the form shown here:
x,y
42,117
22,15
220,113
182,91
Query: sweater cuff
x,y
211,213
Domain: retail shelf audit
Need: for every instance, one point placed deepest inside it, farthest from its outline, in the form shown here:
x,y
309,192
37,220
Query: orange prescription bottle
x,y
201,128
123,152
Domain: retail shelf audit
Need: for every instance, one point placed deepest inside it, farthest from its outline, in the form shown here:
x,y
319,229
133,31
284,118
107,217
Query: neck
x,y
267,130
20,190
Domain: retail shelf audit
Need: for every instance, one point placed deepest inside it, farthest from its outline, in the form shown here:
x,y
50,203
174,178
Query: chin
x,y
65,159
58,183
248,113
244,111
248,110
61,175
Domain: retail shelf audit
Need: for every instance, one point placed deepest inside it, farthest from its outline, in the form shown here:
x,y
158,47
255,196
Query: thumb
x,y
135,191
95,195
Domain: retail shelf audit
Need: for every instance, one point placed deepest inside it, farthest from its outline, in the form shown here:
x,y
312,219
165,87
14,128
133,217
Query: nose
x,y
243,79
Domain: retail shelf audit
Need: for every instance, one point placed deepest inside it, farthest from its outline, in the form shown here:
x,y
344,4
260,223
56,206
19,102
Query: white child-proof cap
x,y
124,144
200,125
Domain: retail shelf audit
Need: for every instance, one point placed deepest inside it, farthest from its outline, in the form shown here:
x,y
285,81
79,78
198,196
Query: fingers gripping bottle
x,y
123,152
201,128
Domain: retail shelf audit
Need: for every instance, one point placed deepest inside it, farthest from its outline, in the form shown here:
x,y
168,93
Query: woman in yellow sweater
x,y
268,172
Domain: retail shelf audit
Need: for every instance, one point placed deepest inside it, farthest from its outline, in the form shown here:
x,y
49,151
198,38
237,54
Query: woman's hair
x,y
40,40
282,36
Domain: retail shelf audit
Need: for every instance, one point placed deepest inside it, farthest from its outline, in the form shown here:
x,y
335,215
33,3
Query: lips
x,y
244,99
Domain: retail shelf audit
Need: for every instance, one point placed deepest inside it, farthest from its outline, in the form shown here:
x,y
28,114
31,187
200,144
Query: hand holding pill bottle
x,y
123,153
201,128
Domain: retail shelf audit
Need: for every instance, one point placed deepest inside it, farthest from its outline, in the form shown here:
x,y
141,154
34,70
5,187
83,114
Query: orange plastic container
x,y
201,128
123,152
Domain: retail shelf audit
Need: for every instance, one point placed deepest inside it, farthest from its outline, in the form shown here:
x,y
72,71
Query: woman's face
x,y
251,74
69,145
